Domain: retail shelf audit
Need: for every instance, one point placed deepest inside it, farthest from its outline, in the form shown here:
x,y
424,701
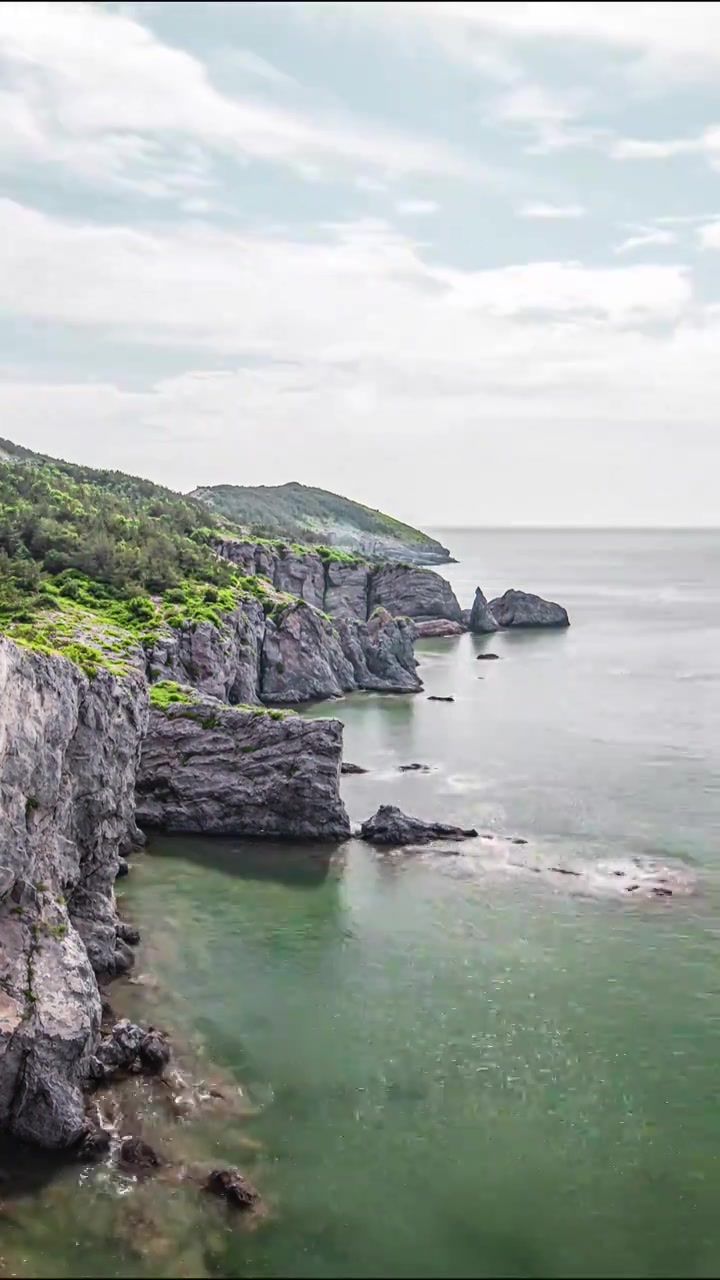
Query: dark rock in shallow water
x,y
522,609
154,1052
414,768
391,826
347,767
127,933
123,868
135,1153
94,1145
435,697
482,620
488,657
116,1051
233,1187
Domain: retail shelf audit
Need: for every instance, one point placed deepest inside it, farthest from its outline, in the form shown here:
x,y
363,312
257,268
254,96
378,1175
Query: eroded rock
x,y
438,627
390,826
233,1187
482,620
522,609
414,593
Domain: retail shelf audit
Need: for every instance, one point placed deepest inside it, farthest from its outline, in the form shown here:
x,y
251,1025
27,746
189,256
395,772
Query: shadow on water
x,y
298,866
24,1170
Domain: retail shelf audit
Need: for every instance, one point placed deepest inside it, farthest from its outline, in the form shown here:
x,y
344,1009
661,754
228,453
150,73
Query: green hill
x,y
302,513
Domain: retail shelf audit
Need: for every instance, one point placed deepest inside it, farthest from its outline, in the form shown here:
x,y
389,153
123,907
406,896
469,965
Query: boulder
x,y
440,627
482,620
413,593
233,1187
522,609
154,1052
135,1153
391,826
248,772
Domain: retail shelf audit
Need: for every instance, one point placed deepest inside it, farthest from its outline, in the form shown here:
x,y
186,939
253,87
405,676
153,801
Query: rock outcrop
x,y
482,620
413,593
68,755
346,590
302,657
223,661
390,826
231,771
381,653
522,609
438,627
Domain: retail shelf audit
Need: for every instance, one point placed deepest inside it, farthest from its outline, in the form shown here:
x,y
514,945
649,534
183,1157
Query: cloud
x,y
416,208
539,209
97,93
645,238
709,235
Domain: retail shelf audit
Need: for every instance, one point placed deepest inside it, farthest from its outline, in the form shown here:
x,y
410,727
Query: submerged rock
x,y
233,1187
94,1145
123,869
414,768
488,657
391,826
482,620
233,771
522,609
129,934
135,1153
436,697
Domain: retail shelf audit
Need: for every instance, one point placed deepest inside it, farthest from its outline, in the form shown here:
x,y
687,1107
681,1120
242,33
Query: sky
x,y
458,261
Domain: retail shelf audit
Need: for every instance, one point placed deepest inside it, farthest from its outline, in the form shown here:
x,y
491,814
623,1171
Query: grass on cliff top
x,y
165,693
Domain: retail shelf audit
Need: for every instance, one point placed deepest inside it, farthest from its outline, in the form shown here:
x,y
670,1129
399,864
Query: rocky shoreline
x,y
185,736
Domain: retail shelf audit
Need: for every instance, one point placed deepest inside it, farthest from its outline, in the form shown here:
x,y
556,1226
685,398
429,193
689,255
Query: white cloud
x,y
416,208
540,209
96,92
709,235
645,238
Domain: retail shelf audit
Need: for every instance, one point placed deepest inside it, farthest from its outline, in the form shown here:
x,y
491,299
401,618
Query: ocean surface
x,y
436,1066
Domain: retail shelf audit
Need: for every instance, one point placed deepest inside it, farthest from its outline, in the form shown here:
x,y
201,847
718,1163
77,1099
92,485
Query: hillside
x,y
302,513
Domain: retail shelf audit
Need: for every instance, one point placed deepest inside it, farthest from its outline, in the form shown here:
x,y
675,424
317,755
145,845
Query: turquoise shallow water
x,y
452,1072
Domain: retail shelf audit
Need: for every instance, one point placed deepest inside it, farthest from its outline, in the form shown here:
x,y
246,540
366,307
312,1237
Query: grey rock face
x,y
413,592
381,652
223,770
302,658
68,756
223,662
301,575
522,609
346,590
393,827
482,620
439,627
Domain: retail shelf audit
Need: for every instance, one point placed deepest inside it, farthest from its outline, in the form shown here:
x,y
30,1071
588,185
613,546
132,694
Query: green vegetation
x,y
166,692
306,515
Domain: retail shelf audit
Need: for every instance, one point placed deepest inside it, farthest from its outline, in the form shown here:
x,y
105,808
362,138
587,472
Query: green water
x,y
448,1070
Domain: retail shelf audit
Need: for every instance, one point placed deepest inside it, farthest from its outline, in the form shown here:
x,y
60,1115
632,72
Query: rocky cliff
x,y
348,587
236,771
69,748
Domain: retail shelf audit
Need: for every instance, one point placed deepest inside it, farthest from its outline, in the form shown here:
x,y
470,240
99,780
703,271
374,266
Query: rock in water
x,y
123,869
521,609
393,827
233,1187
413,593
154,1052
347,767
414,768
438,627
487,657
436,697
135,1153
381,652
234,771
482,620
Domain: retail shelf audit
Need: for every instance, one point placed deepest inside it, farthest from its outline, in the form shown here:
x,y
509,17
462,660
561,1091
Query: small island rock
x,y
482,620
393,827
522,609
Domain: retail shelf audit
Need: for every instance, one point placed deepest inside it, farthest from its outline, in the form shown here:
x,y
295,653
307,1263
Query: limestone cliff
x,y
69,748
235,771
